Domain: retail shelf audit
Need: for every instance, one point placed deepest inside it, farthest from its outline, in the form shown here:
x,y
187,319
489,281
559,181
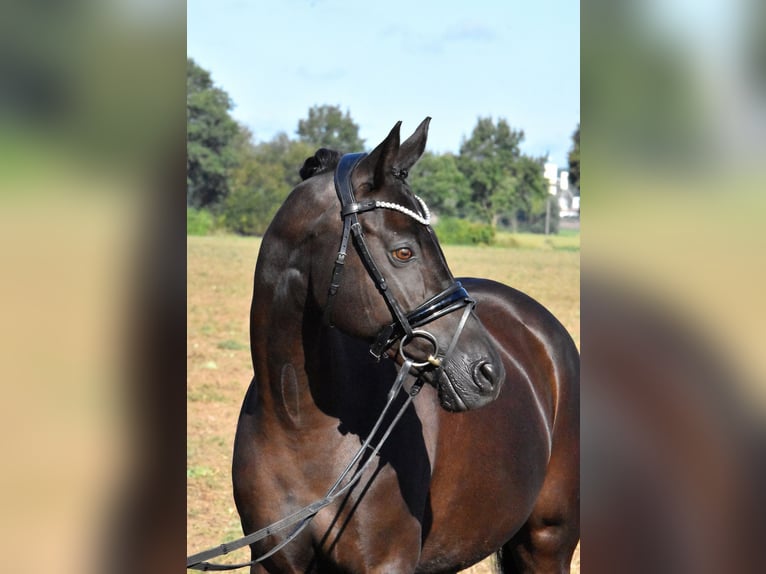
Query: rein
x,y
404,328
303,517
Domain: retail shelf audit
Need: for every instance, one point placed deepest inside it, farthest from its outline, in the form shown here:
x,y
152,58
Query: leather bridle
x,y
405,326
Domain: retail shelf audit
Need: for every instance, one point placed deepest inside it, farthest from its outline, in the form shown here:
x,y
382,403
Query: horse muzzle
x,y
465,369
463,385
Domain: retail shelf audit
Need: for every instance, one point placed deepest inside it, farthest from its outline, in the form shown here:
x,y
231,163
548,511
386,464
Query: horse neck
x,y
277,336
303,370
309,376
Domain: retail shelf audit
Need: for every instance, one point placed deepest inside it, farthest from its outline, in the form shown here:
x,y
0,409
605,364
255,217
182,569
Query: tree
x,y
439,182
264,176
487,159
257,193
532,196
574,159
327,126
287,154
210,131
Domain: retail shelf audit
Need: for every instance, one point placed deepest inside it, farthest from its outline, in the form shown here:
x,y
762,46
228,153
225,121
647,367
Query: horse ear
x,y
413,147
377,166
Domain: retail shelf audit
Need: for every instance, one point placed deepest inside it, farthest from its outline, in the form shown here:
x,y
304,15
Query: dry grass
x,y
220,271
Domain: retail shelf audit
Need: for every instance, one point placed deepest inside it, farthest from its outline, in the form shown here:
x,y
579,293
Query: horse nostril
x,y
486,375
488,371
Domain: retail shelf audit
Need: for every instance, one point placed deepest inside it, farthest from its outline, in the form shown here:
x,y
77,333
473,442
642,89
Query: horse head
x,y
378,273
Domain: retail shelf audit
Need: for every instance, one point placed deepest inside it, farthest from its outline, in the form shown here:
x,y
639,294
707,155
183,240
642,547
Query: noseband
x,y
405,326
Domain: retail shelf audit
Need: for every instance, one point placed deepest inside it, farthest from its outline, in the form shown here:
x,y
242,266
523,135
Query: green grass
x,y
205,393
232,345
198,471
569,232
567,240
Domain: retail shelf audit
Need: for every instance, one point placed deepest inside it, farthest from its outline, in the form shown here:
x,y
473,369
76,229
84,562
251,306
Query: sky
x,y
397,60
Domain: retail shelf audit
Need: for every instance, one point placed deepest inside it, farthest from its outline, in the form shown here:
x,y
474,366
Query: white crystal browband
x,y
401,209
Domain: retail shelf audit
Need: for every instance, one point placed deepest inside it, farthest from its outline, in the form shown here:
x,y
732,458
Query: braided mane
x,y
322,161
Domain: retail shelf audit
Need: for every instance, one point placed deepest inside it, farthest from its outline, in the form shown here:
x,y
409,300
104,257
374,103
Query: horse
x,y
350,288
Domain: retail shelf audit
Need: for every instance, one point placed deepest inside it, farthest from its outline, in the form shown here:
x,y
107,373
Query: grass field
x,y
219,284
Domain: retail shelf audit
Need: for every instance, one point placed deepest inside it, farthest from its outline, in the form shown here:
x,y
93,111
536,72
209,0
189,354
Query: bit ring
x,y
433,358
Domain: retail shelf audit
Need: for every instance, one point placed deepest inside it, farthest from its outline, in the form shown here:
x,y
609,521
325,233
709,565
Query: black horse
x,y
350,264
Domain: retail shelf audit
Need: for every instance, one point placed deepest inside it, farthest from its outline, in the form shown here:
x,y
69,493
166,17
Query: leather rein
x,y
302,517
404,327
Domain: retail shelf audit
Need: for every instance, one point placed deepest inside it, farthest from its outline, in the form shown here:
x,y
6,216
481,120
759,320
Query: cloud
x,y
475,32
470,32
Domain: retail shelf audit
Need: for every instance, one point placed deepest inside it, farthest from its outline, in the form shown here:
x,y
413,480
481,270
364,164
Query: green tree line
x,y
237,183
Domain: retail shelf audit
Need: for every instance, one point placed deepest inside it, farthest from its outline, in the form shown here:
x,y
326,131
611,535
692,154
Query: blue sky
x,y
397,60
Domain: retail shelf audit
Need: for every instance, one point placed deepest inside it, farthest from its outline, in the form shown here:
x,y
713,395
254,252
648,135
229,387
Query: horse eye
x,y
402,254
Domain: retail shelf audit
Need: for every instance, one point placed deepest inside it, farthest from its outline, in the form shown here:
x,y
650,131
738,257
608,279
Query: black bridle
x,y
404,325
403,328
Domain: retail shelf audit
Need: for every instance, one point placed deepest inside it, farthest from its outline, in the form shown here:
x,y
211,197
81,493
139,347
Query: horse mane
x,y
322,161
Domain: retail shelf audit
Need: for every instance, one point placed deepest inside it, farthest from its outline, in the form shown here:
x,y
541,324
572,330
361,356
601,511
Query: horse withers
x,y
351,286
